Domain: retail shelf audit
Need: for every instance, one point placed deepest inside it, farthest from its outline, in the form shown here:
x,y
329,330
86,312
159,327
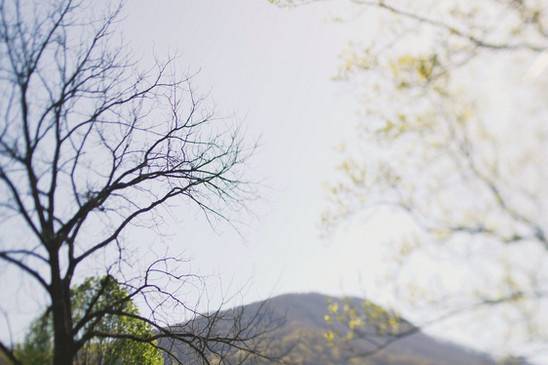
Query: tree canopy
x,y
37,348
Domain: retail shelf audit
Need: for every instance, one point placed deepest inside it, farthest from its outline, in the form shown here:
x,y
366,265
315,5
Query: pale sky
x,y
273,69
270,70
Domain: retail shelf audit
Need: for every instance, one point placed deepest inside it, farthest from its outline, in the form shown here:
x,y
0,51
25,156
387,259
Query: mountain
x,y
307,337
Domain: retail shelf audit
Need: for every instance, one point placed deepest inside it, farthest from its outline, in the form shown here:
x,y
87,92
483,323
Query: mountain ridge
x,y
305,327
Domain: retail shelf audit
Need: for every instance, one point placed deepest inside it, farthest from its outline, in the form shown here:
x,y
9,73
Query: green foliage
x,y
37,346
103,293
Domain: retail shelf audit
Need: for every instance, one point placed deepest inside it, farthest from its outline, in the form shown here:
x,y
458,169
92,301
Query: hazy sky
x,y
270,70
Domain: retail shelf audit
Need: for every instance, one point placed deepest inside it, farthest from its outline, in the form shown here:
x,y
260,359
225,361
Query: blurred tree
x,y
453,144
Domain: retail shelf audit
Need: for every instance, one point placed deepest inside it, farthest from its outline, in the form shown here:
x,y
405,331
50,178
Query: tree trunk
x,y
63,342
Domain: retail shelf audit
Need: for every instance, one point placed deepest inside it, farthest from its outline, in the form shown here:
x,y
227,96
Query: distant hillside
x,y
304,328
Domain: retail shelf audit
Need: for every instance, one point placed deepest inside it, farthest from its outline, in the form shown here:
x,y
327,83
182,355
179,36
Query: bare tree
x,y
89,147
